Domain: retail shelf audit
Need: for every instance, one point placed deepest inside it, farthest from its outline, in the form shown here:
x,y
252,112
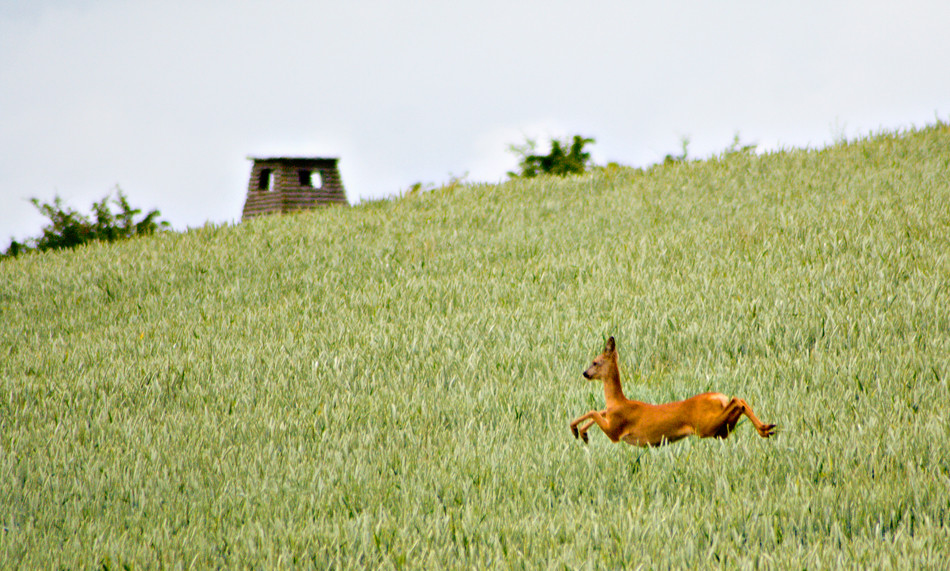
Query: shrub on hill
x,y
563,159
69,228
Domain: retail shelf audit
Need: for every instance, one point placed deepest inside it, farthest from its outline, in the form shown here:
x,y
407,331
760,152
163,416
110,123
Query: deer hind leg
x,y
730,416
591,417
765,430
724,422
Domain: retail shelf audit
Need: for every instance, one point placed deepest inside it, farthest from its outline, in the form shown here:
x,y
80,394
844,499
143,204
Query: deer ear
x,y
611,345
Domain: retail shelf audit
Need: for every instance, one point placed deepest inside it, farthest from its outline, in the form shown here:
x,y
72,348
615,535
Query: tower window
x,y
310,179
265,179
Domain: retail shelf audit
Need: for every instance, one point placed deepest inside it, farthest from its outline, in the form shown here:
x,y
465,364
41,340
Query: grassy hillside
x,y
391,385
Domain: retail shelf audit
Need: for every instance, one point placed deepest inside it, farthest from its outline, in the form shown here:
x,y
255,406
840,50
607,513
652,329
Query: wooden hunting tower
x,y
285,184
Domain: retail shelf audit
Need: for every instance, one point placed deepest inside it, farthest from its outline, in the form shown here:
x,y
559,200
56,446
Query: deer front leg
x,y
579,420
591,417
583,429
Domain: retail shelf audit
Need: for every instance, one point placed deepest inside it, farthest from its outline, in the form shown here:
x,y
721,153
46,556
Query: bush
x,y
561,161
69,228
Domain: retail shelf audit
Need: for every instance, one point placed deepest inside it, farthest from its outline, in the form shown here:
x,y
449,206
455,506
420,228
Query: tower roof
x,y
291,159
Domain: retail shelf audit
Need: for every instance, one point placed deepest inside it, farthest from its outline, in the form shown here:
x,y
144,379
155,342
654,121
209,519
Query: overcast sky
x,y
167,99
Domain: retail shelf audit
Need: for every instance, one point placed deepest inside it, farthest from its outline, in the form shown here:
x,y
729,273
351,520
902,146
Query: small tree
x,y
69,228
738,148
671,159
563,159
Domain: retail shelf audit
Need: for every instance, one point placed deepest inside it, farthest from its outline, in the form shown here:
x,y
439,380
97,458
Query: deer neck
x,y
613,392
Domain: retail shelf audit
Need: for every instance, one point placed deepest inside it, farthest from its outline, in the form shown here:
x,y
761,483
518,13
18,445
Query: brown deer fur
x,y
643,424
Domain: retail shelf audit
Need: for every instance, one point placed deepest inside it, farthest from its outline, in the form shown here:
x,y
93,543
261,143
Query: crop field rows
x,y
390,385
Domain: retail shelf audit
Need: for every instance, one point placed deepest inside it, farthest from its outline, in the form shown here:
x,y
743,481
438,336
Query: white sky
x,y
168,98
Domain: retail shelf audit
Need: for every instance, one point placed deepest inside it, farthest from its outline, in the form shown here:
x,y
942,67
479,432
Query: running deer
x,y
643,424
